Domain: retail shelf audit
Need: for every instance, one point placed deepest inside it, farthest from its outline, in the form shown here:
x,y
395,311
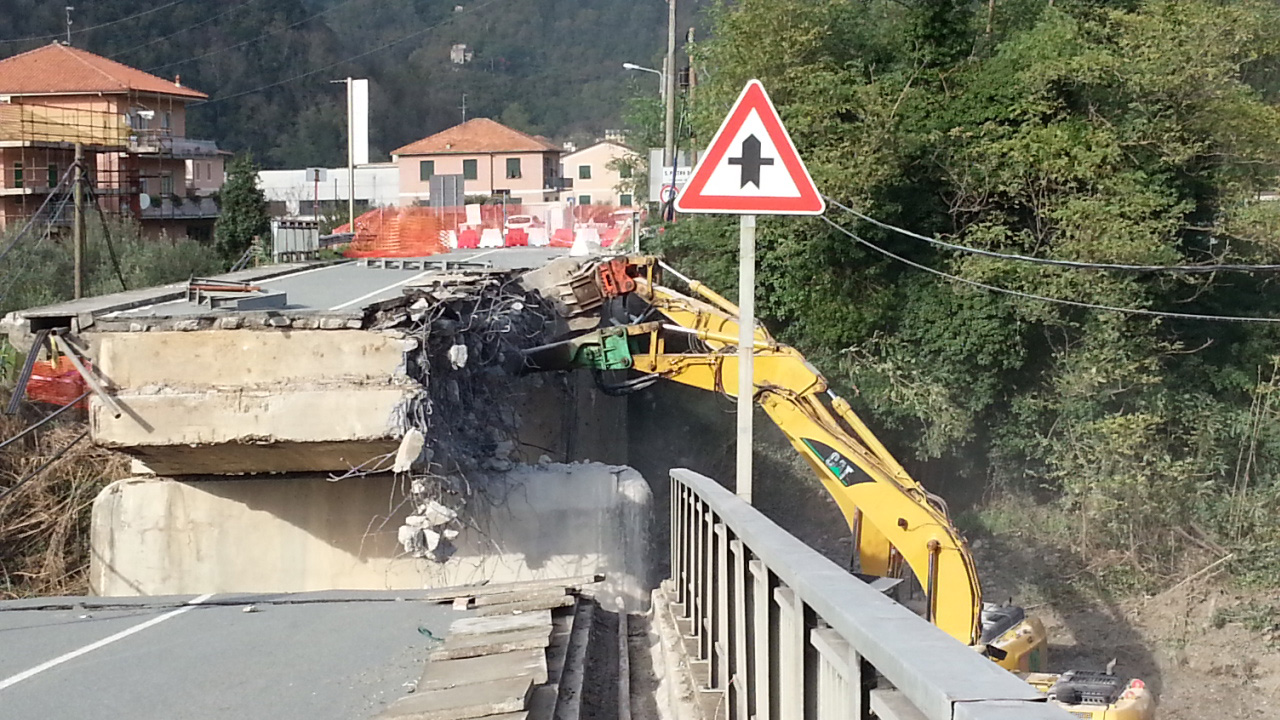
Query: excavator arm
x,y
653,332
894,521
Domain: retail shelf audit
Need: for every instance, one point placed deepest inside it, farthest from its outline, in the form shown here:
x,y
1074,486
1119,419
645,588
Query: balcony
x,y
160,142
177,208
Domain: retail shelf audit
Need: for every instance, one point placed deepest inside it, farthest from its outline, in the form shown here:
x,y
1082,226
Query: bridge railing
x,y
775,631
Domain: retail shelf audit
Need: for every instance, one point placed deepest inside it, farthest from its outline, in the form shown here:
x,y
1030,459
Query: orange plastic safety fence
x,y
397,232
56,383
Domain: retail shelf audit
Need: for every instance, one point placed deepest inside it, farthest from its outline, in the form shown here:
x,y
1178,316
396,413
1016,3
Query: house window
x,y
513,168
426,170
208,171
53,174
166,119
166,183
470,170
624,200
584,172
17,175
624,171
584,199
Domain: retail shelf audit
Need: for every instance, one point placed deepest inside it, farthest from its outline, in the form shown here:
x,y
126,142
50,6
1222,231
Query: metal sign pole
x,y
746,351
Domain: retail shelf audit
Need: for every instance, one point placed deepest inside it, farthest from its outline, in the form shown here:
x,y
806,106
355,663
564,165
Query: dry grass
x,y
44,526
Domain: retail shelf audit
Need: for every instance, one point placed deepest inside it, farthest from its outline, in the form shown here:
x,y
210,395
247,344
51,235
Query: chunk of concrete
x,y
300,533
463,702
467,646
469,671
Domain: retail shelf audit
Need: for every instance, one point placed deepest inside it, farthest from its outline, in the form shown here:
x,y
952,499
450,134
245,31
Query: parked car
x,y
520,222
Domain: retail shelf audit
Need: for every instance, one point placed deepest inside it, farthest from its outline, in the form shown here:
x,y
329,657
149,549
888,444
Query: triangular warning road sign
x,y
751,166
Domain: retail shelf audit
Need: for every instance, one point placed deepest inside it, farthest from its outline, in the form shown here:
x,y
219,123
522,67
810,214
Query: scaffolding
x,y
48,125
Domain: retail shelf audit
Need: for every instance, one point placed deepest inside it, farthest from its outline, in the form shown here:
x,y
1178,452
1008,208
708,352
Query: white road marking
x,y
291,276
402,283
11,681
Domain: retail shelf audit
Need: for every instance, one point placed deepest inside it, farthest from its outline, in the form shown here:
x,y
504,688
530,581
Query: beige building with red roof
x,y
132,125
492,158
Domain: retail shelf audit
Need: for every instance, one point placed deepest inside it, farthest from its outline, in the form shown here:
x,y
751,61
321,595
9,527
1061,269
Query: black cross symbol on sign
x,y
751,162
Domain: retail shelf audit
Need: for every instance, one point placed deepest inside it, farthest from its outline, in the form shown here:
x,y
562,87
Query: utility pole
x,y
351,155
693,76
77,228
69,9
669,128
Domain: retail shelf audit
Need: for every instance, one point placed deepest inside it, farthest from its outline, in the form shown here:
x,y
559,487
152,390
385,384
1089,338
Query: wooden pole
x,y
78,226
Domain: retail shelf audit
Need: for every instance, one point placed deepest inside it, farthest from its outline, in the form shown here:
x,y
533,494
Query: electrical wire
x,y
162,38
47,199
46,419
95,27
1043,298
380,48
252,40
106,232
4,495
1059,263
11,275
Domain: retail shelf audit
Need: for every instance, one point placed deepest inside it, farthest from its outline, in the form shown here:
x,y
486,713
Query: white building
x,y
295,193
596,175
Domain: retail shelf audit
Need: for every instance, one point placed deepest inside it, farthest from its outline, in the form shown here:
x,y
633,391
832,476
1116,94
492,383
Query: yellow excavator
x,y
621,322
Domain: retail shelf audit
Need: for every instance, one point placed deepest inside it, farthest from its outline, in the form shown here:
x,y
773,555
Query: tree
x,y
1116,131
244,209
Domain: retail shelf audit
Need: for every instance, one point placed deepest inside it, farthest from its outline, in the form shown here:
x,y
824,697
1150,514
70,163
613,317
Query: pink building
x,y
132,125
492,158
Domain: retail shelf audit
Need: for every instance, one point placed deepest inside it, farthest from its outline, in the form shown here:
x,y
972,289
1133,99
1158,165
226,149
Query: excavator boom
x,y
653,332
894,521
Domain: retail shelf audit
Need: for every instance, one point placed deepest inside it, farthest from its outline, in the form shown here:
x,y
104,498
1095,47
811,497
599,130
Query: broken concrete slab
x,y
466,646
527,605
553,593
493,644
478,700
300,533
485,668
501,624
451,594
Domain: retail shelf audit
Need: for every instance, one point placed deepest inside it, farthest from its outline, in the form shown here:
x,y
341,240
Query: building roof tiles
x,y
479,135
56,69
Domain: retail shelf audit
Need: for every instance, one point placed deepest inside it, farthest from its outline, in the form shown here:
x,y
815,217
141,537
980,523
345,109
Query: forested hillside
x,y
544,66
1086,131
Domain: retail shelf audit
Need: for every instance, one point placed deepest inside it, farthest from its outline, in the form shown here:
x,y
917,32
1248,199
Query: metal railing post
x,y
787,634
738,648
791,644
763,689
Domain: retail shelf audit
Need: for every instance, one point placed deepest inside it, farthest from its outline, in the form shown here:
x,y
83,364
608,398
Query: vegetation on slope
x,y
1120,132
543,66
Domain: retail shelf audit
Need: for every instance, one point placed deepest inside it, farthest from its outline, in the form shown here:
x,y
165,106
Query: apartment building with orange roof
x,y
492,158
132,126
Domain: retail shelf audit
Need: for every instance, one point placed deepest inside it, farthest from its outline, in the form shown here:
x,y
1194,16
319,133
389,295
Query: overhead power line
x,y
188,28
1044,298
4,494
1058,263
417,33
252,40
95,27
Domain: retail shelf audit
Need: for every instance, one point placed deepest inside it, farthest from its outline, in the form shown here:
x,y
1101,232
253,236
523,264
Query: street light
x,y
662,92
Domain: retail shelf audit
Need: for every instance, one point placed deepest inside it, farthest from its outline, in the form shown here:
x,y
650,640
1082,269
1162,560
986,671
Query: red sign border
x,y
691,198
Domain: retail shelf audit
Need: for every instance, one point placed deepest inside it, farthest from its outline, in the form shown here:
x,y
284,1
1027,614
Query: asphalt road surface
x,y
350,287
313,656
